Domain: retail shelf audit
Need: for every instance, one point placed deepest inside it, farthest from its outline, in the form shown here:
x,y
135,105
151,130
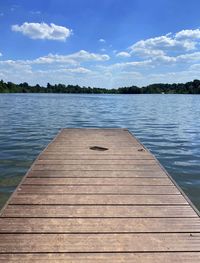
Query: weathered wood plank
x,y
97,211
95,133
101,174
99,225
84,150
97,162
96,167
82,145
97,189
80,157
45,243
97,181
77,203
164,257
52,199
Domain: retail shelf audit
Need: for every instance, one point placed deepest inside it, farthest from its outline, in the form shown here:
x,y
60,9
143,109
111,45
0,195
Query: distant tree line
x,y
192,87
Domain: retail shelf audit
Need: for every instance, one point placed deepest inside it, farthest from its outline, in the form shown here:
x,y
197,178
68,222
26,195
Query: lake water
x,y
168,125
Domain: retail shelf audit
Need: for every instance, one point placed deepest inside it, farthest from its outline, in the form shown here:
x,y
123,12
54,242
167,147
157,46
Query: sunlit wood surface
x,y
112,203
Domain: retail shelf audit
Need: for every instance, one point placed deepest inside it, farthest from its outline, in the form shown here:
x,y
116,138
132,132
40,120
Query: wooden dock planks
x,y
81,205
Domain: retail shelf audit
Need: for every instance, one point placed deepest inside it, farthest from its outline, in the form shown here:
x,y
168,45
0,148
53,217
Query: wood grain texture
x,y
75,204
164,257
98,189
98,225
98,181
53,199
98,162
97,211
96,157
95,167
101,174
45,243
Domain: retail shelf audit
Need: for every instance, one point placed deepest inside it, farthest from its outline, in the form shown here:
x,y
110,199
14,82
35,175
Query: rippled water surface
x,y
169,125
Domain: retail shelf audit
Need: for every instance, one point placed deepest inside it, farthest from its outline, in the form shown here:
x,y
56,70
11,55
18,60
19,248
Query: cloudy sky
x,y
107,43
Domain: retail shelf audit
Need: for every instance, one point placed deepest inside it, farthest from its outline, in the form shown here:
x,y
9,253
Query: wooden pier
x,y
98,196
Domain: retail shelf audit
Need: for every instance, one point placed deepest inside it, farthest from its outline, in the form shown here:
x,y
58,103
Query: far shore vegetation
x,y
192,87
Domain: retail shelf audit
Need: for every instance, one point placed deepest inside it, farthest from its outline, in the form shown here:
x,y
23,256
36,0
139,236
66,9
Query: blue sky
x,y
107,43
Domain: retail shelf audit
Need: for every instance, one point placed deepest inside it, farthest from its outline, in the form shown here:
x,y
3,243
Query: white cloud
x,y
163,60
180,59
83,55
1,54
12,64
102,40
130,65
183,41
15,71
53,58
168,58
146,52
190,57
80,70
158,46
188,34
75,58
43,31
121,74
68,69
123,54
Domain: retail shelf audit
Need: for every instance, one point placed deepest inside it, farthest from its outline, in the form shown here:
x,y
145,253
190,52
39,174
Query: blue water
x,y
168,125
